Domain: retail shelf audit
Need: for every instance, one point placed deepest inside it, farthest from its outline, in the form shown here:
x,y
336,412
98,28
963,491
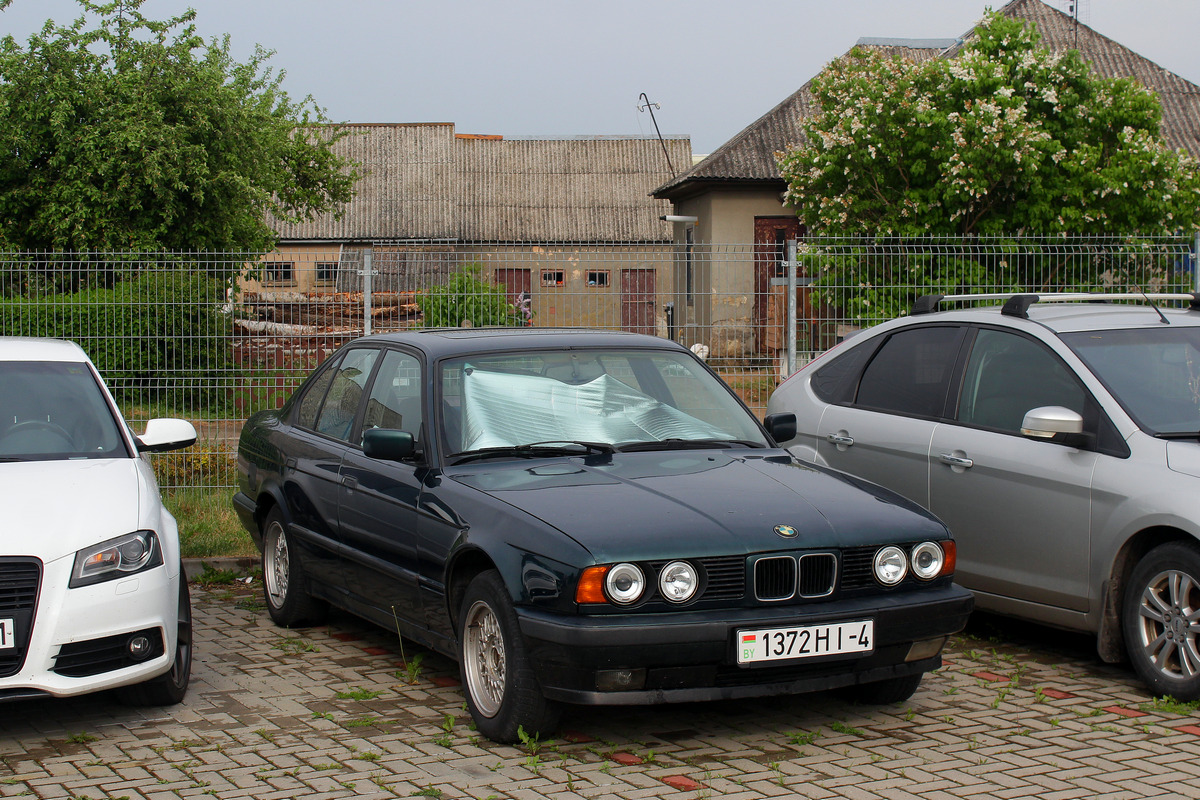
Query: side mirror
x,y
1055,424
166,434
782,427
387,444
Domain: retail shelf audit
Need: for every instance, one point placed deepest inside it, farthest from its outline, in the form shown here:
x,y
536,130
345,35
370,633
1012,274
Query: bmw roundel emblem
x,y
786,531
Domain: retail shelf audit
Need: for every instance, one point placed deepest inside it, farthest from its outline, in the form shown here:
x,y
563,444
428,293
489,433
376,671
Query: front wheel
x,y
884,692
1161,620
285,581
502,693
170,687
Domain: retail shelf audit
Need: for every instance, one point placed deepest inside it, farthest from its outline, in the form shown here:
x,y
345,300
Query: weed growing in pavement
x,y
266,734
447,738
802,737
842,727
1170,705
210,576
326,767
322,715
357,693
347,785
372,756
1055,721
1039,695
82,738
294,644
410,670
364,722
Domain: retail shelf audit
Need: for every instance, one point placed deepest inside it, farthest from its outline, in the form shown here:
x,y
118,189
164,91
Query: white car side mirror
x,y
166,434
1051,422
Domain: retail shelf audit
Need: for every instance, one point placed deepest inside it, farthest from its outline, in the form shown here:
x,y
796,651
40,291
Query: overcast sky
x,y
575,68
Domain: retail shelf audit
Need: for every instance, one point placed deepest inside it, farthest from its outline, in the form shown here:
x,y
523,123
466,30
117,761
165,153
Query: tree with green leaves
x,y
125,133
1004,138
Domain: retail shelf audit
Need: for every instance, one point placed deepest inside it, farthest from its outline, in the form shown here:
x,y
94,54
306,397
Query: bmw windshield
x,y
52,410
1153,372
588,401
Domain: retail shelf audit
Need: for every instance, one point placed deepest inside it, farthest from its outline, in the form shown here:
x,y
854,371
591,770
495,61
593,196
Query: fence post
x,y
791,307
1196,262
367,272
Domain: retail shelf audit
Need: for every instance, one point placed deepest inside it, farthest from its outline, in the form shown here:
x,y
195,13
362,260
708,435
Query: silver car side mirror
x,y
1052,422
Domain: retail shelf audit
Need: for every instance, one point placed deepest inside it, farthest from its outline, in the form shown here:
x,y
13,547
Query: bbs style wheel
x,y
285,583
503,694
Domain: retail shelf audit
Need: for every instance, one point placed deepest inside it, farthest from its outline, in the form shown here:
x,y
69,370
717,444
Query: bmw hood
x,y
645,505
50,509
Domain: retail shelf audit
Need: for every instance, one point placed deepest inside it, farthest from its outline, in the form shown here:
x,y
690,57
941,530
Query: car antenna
x,y
1153,305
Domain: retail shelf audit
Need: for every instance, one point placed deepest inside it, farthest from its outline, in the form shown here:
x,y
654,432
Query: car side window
x,y
1009,375
341,403
910,373
310,403
395,399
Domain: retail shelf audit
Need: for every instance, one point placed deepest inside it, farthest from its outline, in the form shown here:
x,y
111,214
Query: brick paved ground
x,y
331,712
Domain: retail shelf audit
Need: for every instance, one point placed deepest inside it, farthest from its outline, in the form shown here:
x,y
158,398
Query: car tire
x,y
503,694
885,692
1162,595
285,581
169,688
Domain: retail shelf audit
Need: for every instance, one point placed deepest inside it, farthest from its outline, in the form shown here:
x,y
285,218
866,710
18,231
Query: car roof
x,y
27,348
442,342
1076,315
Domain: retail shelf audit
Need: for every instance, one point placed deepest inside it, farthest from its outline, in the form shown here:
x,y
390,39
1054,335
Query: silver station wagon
x,y
1059,439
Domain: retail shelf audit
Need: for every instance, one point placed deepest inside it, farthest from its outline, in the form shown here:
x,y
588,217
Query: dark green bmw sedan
x,y
586,517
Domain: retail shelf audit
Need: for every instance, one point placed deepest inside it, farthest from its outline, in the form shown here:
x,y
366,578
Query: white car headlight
x,y
116,558
927,560
624,584
678,581
891,565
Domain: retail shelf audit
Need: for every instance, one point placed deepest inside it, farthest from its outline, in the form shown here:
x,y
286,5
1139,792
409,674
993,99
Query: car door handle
x,y
840,439
956,461
350,482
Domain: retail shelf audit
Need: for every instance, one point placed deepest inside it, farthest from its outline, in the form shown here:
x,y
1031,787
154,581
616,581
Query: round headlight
x,y
891,565
624,583
678,581
927,560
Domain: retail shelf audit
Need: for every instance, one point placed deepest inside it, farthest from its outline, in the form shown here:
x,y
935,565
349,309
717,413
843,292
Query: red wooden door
x,y
771,235
517,282
637,300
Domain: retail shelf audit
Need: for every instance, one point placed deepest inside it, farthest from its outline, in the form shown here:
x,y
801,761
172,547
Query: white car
x,y
92,592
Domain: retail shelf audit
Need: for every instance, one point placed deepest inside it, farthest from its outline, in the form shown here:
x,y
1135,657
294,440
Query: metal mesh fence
x,y
214,337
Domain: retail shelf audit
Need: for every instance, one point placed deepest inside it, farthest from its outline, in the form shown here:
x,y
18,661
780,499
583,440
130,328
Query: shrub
x,y
467,297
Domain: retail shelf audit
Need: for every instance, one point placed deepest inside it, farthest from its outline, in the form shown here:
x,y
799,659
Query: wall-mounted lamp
x,y
678,218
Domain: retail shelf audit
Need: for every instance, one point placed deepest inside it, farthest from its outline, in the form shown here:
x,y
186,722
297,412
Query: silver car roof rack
x,y
1017,305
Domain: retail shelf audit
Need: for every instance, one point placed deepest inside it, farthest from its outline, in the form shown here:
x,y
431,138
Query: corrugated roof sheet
x,y
750,155
422,181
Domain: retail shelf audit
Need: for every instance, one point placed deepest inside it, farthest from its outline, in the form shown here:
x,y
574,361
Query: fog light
x,y
620,680
139,647
927,648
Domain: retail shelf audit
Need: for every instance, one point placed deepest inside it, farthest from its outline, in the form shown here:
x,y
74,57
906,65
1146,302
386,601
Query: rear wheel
x,y
503,694
285,582
890,690
1161,620
170,687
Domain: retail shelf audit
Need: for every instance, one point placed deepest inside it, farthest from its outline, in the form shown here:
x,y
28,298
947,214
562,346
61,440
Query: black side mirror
x,y
387,444
782,427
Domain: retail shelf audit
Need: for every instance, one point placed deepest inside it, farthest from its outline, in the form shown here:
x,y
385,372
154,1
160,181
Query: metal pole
x,y
367,272
791,307
1196,262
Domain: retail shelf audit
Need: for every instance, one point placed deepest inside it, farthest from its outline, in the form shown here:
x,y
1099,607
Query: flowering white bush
x,y
1007,138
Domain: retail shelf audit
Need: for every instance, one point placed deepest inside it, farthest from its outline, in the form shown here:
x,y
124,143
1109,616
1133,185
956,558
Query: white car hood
x,y
50,509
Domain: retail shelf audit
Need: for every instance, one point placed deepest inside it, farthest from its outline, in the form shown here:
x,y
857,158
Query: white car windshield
x,y
1153,372
51,410
612,397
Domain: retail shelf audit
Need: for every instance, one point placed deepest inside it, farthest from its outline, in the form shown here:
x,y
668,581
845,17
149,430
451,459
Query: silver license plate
x,y
805,641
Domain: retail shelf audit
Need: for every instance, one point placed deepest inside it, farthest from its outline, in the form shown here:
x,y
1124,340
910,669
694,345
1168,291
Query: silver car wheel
x,y
276,567
1169,623
485,658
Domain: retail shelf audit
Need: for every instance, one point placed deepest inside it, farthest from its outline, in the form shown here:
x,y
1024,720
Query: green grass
x,y
208,526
